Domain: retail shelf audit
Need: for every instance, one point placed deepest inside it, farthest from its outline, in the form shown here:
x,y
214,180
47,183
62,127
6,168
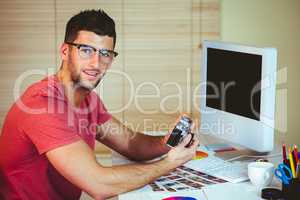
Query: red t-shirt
x,y
42,120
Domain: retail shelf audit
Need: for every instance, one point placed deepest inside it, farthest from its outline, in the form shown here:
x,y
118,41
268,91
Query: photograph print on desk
x,y
184,178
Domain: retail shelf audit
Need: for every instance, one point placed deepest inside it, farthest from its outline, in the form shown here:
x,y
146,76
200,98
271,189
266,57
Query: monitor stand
x,y
241,153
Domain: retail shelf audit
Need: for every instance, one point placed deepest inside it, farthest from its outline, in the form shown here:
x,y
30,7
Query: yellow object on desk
x,y
200,155
292,163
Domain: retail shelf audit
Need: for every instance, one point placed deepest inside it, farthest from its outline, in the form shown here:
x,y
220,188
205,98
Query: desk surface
x,y
218,191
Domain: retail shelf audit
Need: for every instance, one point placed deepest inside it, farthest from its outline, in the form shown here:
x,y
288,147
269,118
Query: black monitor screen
x,y
233,82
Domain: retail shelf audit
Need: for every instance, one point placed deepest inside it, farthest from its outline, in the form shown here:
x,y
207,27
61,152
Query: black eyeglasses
x,y
86,52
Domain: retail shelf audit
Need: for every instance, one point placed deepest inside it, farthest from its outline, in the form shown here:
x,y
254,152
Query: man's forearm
x,y
119,179
134,145
146,147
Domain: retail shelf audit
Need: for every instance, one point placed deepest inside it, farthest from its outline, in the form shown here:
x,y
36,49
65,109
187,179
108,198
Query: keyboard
x,y
214,166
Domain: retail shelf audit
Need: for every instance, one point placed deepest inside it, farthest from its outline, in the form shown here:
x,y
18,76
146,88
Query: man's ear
x,y
64,51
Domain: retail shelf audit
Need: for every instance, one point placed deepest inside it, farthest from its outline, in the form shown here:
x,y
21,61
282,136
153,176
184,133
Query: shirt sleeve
x,y
50,130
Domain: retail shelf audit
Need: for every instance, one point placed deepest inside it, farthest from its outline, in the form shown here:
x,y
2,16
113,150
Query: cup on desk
x,y
260,174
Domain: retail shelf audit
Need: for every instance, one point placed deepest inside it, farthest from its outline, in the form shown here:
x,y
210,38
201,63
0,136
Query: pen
x,y
297,169
296,153
294,159
284,152
292,163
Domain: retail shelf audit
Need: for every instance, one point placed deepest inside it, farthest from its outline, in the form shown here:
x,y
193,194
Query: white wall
x,y
273,23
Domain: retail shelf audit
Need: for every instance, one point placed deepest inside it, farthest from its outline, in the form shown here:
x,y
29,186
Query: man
x,y
47,142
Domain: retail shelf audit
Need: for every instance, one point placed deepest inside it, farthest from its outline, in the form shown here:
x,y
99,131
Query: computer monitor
x,y
238,94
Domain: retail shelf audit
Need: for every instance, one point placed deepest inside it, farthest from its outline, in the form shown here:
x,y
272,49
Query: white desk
x,y
223,191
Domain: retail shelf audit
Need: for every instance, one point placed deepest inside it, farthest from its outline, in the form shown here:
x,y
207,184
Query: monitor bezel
x,y
257,135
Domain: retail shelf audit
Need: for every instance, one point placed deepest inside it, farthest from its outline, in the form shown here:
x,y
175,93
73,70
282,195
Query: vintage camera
x,y
181,130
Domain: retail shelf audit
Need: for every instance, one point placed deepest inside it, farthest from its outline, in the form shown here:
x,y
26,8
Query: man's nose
x,y
95,62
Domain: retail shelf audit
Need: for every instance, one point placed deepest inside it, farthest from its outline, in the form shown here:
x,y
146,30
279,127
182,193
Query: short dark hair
x,y
96,21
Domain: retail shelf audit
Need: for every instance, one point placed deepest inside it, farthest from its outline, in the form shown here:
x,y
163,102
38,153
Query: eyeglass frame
x,y
99,51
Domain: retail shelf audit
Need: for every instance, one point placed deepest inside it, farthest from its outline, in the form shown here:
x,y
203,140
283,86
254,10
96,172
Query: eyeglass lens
x,y
87,52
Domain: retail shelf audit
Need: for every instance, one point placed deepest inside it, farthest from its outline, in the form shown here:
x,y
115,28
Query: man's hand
x,y
193,127
181,154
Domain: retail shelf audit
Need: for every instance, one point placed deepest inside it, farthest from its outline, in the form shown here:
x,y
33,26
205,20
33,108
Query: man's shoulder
x,y
44,89
40,97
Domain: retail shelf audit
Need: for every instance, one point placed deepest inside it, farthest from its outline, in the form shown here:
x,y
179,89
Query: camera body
x,y
181,130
